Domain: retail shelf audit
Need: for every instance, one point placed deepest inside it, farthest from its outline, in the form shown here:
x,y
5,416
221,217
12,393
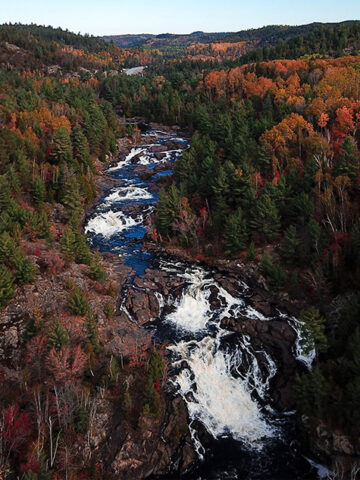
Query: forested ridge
x,y
271,178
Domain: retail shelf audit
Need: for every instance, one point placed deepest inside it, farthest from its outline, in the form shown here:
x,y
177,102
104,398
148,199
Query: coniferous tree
x,y
58,336
96,271
6,286
236,234
290,249
61,149
92,332
251,252
68,243
265,220
81,149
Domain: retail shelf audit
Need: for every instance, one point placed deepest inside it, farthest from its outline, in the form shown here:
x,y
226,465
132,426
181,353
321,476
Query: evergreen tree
x,y
348,163
313,329
265,220
290,249
235,235
8,248
58,336
92,332
167,209
24,269
81,149
38,190
61,148
68,244
82,250
6,286
96,271
251,252
78,303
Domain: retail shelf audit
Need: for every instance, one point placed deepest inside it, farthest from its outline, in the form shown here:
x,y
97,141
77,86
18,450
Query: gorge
x,y
232,359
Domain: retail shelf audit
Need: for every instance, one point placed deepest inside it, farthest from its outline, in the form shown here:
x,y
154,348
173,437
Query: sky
x,y
106,17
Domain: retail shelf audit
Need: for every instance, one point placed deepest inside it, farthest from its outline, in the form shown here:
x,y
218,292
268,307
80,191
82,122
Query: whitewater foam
x,y
110,223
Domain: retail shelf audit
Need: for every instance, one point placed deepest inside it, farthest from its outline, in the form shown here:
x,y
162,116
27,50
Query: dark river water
x,y
225,382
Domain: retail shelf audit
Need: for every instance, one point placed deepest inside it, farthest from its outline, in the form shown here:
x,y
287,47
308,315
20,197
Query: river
x,y
226,378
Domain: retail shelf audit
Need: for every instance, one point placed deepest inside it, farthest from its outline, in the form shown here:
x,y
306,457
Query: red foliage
x,y
35,348
66,365
55,263
16,430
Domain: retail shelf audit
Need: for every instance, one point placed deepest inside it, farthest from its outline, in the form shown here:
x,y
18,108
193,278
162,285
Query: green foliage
x,y
265,220
108,310
290,252
68,244
313,330
96,271
38,190
25,269
92,332
61,149
251,252
152,404
58,336
78,303
6,286
168,209
82,421
236,234
272,272
82,250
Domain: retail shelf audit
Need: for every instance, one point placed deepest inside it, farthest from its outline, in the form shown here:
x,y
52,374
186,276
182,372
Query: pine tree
x,y
58,336
290,249
92,332
266,265
82,250
8,248
96,271
81,149
78,303
348,163
5,193
313,328
6,286
68,244
25,269
314,233
72,202
61,148
38,190
272,272
236,234
251,252
266,220
167,209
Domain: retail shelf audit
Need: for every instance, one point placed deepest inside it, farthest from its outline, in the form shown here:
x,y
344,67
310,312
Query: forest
x,y
272,177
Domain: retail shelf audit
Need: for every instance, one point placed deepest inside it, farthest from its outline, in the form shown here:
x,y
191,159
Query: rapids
x,y
225,382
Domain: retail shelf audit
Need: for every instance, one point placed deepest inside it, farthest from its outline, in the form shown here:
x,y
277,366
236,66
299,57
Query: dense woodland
x,y
272,177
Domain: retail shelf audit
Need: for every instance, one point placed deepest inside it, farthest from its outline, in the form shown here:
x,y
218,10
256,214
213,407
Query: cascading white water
x,y
109,223
222,402
128,193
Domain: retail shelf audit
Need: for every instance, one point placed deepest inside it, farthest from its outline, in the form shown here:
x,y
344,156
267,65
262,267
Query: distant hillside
x,y
271,34
164,40
261,37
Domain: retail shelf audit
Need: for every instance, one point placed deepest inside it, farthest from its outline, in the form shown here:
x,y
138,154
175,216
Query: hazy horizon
x,y
117,17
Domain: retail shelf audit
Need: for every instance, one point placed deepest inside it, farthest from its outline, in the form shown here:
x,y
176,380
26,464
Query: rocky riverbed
x,y
233,348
